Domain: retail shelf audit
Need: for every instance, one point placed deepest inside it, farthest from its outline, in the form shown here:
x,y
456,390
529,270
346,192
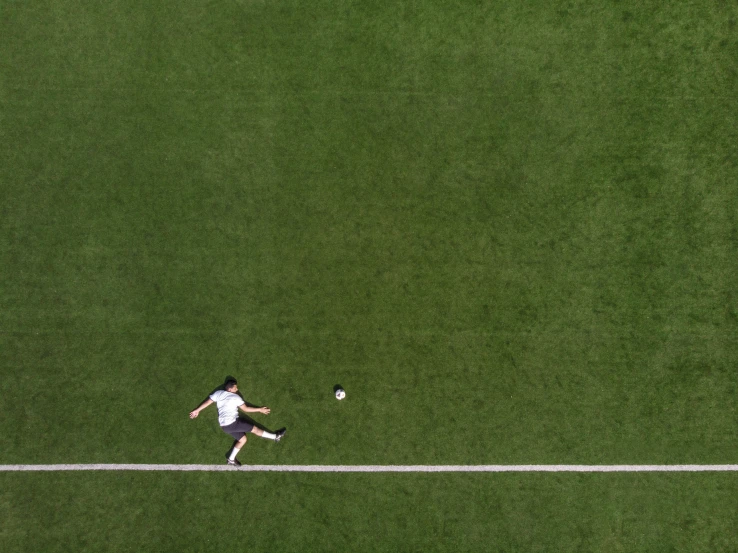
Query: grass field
x,y
509,230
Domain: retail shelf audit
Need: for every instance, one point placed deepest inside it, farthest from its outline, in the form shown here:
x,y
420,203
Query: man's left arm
x,y
246,409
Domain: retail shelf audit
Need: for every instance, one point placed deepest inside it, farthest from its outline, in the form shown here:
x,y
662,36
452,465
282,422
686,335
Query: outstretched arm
x,y
193,414
246,409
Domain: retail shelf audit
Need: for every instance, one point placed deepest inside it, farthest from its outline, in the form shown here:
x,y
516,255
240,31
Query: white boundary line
x,y
373,468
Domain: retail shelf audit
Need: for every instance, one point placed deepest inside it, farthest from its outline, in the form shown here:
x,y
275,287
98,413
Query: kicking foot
x,y
280,434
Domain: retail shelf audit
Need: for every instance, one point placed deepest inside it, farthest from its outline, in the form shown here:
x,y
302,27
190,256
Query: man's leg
x,y
236,448
268,435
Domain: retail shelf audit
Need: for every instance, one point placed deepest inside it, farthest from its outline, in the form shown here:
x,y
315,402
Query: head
x,y
231,386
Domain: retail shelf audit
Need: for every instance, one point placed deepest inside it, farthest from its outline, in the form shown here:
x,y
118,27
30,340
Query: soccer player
x,y
229,402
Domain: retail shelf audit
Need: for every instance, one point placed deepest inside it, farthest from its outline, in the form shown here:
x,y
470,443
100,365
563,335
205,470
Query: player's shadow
x,y
222,386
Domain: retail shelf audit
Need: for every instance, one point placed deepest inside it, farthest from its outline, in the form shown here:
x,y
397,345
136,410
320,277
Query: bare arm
x,y
206,403
246,409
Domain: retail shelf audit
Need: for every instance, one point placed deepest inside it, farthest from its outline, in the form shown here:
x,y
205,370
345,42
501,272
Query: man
x,y
229,402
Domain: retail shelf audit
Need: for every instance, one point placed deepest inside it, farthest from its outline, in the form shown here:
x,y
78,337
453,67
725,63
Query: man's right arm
x,y
206,403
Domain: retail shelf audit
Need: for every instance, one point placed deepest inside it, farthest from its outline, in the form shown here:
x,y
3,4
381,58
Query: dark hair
x,y
230,383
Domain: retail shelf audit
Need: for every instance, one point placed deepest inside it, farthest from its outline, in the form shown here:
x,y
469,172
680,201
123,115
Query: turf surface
x,y
297,512
508,230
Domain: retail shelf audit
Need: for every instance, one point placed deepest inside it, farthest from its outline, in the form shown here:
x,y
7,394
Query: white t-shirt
x,y
227,403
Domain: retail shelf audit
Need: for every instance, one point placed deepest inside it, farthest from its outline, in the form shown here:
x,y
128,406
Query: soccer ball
x,y
340,393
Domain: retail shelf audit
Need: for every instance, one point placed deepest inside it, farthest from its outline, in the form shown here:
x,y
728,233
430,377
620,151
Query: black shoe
x,y
280,434
233,462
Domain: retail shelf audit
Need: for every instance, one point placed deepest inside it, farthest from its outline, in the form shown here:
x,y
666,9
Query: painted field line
x,y
373,468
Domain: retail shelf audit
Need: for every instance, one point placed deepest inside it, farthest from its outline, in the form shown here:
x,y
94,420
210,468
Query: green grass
x,y
339,512
508,230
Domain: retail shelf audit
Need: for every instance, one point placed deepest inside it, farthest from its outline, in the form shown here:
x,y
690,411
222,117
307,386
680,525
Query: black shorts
x,y
238,429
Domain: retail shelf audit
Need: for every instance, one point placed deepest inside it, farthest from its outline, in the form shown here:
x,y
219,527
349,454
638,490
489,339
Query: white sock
x,y
269,435
234,452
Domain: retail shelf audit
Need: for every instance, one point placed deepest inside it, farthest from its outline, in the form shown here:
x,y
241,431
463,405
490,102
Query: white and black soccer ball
x,y
340,393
